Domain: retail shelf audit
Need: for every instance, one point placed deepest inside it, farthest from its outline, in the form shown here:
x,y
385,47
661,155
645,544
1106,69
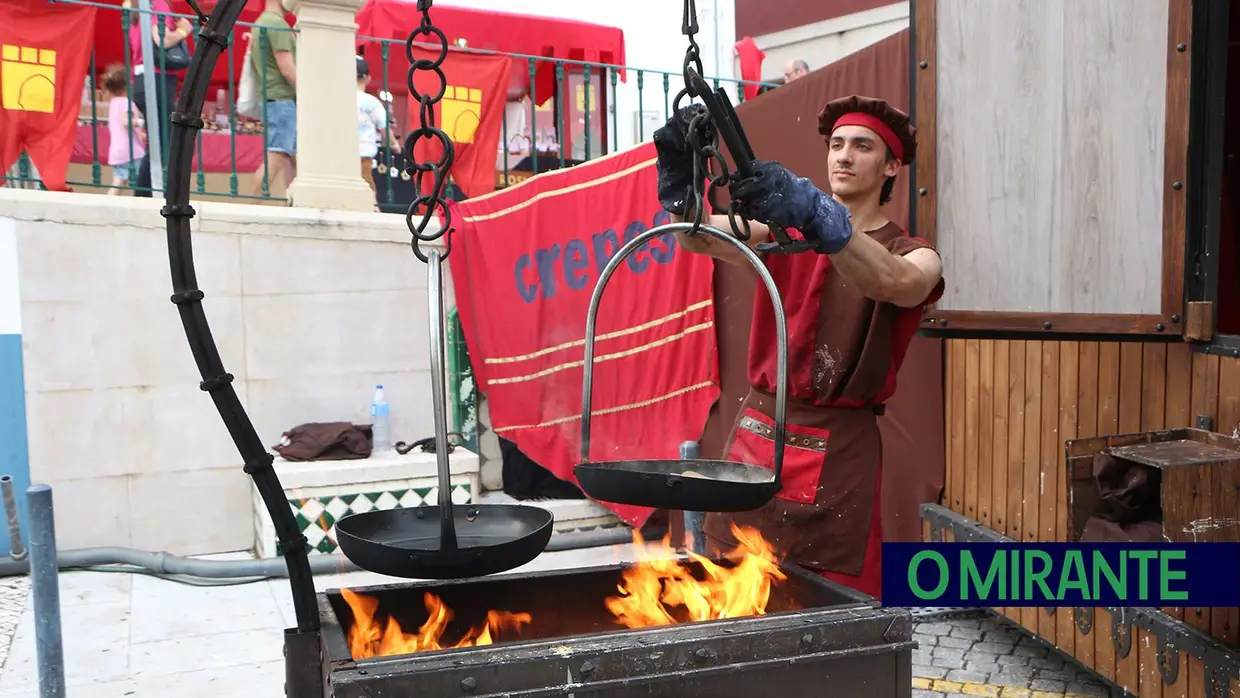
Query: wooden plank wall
x,y
1050,71
1011,405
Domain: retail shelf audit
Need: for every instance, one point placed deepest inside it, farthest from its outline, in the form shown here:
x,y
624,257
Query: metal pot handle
x,y
434,294
781,330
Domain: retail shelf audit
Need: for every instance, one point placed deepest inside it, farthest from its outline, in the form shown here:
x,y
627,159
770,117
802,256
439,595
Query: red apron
x,y
844,351
822,516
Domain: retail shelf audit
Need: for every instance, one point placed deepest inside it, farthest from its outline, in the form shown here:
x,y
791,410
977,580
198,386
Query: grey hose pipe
x,y
166,563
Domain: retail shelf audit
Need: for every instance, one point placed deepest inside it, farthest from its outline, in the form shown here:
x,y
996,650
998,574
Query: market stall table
x,y
217,149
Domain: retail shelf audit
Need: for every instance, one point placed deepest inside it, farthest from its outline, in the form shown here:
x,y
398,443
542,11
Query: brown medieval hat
x,y
892,125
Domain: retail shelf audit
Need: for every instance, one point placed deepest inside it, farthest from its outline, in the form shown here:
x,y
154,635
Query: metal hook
x,y
688,27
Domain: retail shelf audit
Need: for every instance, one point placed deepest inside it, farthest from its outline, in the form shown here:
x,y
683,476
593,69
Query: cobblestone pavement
x,y
14,593
986,656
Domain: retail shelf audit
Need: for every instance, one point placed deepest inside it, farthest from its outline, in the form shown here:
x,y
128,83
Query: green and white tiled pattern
x,y
317,513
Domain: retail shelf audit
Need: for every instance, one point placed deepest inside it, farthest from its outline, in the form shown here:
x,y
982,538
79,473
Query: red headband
x,y
876,125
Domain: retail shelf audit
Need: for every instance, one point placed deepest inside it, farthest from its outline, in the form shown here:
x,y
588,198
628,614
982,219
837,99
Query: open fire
x,y
658,590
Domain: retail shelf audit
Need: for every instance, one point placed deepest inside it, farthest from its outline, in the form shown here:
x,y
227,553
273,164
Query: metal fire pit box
x,y
817,639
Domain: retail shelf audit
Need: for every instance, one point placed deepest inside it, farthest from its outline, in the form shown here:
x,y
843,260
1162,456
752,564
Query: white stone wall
x,y
309,309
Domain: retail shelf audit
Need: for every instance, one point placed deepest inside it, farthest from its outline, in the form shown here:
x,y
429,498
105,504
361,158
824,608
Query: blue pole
x,y
695,521
45,587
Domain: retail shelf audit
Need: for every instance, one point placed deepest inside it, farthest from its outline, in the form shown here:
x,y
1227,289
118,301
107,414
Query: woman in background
x,y
174,31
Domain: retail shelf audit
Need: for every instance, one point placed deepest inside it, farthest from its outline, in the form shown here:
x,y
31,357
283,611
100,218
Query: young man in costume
x,y
852,306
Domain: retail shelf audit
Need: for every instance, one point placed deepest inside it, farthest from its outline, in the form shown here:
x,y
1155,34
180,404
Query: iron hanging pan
x,y
684,484
445,541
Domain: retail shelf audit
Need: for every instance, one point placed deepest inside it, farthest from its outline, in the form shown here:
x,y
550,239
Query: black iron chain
x,y
703,139
425,205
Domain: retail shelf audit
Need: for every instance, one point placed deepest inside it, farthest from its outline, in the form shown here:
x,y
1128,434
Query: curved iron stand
x,y
781,332
303,664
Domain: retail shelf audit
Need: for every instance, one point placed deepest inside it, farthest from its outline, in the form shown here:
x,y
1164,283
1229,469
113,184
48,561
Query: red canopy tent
x,y
505,32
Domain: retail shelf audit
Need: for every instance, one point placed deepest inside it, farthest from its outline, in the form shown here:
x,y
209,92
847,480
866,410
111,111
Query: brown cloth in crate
x,y
326,441
1129,503
1128,492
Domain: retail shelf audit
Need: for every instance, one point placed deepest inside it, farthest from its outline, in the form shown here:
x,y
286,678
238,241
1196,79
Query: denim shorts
x,y
281,127
127,171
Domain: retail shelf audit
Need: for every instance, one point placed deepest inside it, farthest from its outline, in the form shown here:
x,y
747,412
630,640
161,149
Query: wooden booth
x,y
1077,179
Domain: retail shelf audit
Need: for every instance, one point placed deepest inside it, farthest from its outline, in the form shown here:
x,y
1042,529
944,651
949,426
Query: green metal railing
x,y
584,117
225,145
543,137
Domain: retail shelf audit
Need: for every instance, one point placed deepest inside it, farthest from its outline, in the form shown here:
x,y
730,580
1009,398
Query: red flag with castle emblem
x,y
471,113
45,51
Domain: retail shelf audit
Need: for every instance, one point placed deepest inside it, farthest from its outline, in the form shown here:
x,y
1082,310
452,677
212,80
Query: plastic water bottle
x,y
380,420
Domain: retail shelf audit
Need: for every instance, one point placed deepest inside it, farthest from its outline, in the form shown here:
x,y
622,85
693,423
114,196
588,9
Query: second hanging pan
x,y
684,484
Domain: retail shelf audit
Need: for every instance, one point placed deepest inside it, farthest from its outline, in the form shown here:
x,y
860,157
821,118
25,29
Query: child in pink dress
x,y
127,144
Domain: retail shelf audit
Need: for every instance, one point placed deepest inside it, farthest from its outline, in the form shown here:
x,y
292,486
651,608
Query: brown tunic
x,y
844,351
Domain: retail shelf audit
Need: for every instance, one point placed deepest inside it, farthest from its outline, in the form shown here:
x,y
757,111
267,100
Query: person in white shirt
x,y
372,121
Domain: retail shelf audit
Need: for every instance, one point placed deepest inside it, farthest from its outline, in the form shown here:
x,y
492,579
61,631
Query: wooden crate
x,y
1010,407
1200,488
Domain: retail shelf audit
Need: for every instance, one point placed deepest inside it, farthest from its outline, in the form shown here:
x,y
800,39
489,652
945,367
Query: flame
x,y
659,590
367,639
652,589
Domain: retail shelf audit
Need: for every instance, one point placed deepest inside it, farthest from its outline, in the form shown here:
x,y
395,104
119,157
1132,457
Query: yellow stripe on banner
x,y
550,174
662,341
610,335
610,410
560,192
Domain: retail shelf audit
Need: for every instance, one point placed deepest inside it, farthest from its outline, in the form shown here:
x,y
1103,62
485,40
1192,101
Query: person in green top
x,y
274,58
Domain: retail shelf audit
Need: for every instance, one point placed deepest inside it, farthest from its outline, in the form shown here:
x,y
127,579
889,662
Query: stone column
x,y
328,172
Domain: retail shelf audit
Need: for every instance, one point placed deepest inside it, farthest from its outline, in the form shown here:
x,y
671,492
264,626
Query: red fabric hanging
x,y
751,64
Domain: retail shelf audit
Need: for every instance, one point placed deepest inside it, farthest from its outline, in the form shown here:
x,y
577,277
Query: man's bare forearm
x,y
701,243
879,274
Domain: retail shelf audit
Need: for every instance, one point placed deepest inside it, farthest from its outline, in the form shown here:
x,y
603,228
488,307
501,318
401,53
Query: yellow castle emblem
x,y
29,78
460,113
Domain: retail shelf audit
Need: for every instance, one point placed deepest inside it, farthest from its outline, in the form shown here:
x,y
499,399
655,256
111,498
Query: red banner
x,y
43,62
525,261
750,57
471,113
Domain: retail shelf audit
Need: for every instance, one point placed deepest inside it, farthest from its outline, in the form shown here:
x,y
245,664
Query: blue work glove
x,y
675,160
774,195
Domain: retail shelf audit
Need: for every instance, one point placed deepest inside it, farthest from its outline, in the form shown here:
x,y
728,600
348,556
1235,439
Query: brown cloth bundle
x,y
326,441
1129,503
